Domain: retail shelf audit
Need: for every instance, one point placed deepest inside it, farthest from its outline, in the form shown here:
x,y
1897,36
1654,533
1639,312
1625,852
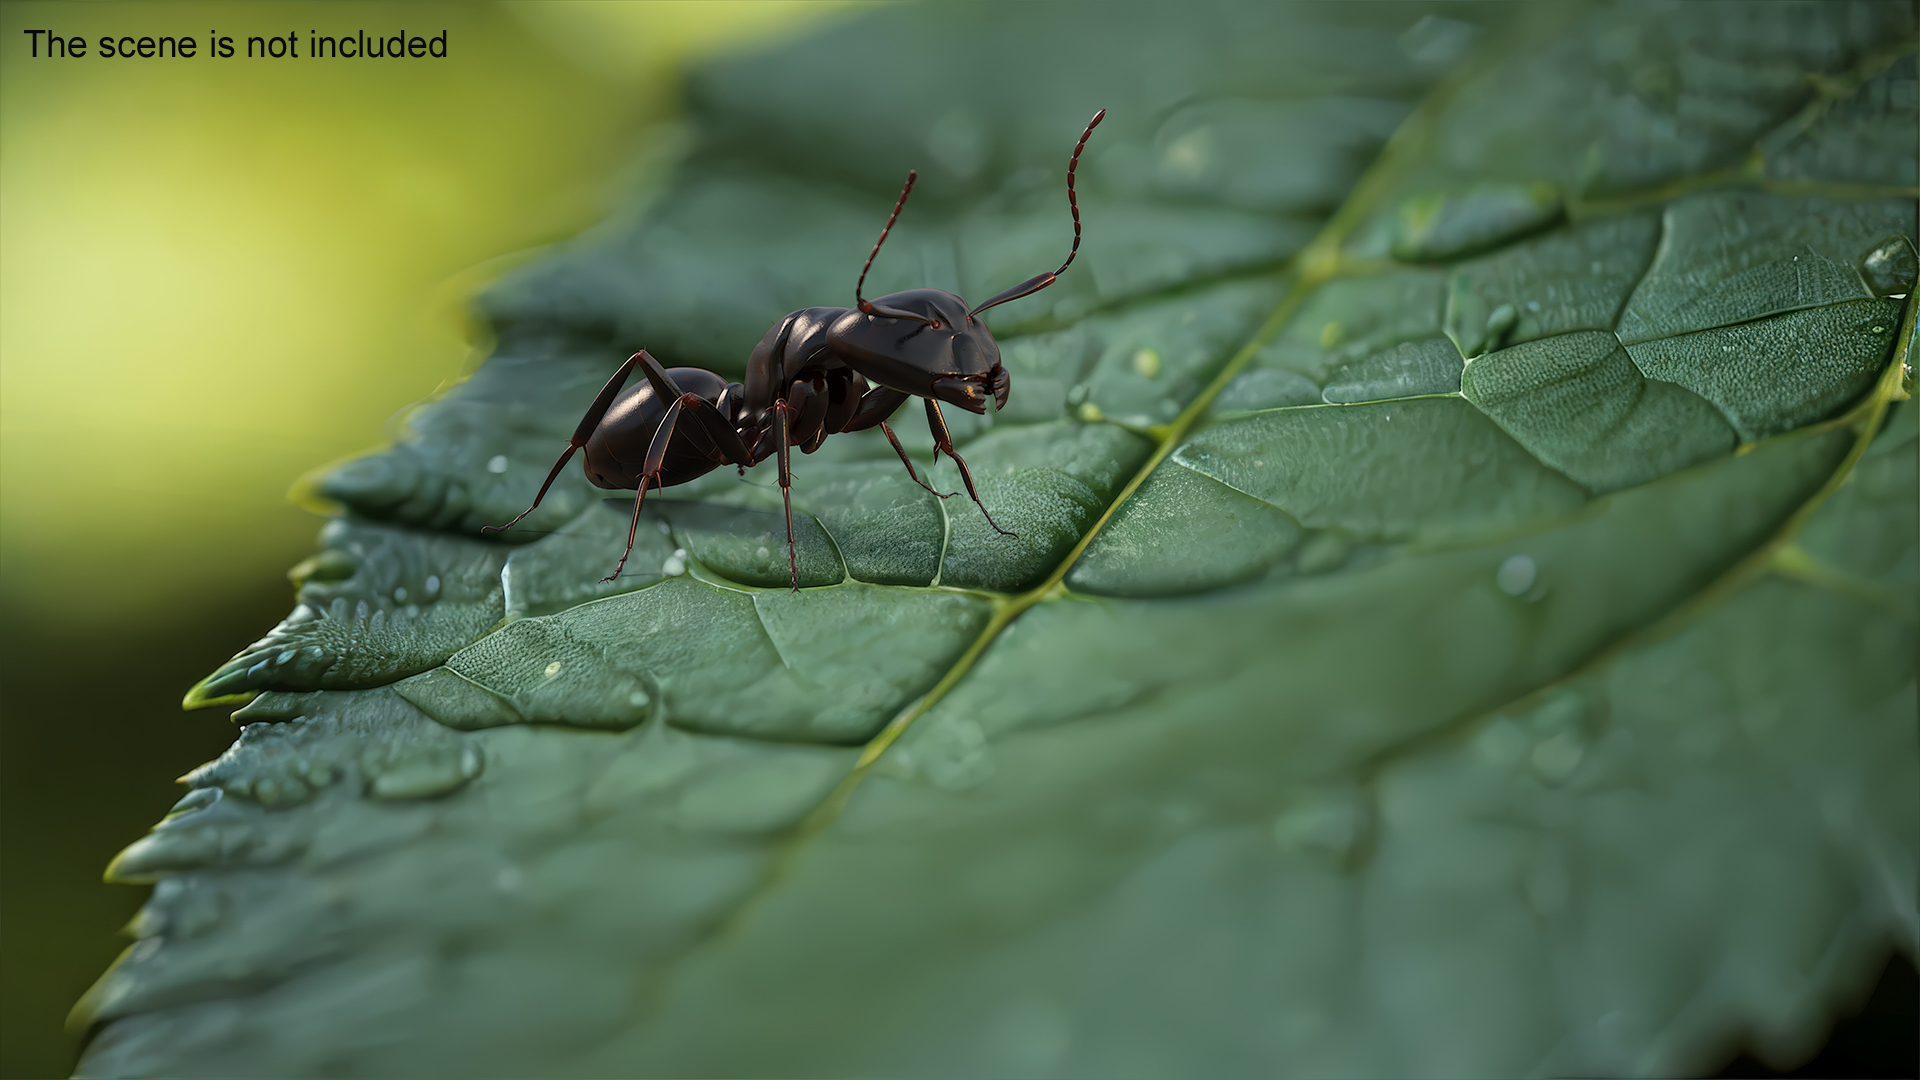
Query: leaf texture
x,y
1462,619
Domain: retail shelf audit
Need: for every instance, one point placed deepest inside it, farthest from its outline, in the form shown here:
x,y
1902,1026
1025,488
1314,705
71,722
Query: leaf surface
x,y
1462,618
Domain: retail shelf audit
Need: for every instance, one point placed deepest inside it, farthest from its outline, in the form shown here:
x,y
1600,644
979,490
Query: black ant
x,y
808,378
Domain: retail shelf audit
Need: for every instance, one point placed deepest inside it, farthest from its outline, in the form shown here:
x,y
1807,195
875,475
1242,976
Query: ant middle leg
x,y
781,421
943,443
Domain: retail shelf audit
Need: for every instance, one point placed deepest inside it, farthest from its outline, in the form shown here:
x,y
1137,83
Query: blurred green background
x,y
217,274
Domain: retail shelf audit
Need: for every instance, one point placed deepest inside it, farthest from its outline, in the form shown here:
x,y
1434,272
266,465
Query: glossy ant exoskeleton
x,y
820,371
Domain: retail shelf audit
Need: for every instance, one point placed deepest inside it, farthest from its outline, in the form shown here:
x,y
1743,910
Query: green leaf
x,y
1797,253
1462,618
1843,347
1440,226
1579,404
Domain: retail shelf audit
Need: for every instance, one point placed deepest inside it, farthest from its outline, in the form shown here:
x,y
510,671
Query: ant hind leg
x,y
780,421
565,456
581,433
632,529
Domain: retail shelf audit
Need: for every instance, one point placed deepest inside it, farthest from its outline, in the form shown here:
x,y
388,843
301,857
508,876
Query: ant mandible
x,y
820,371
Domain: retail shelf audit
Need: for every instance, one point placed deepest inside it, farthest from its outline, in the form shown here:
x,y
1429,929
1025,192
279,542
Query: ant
x,y
820,371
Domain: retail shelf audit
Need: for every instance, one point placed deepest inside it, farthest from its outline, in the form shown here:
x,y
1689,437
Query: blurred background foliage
x,y
215,273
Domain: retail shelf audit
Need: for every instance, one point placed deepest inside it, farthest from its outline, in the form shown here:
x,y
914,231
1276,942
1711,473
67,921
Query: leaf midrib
x,y
1316,264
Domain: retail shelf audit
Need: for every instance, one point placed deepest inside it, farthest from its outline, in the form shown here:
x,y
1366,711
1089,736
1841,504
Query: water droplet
x,y
1501,320
1555,759
1090,413
1329,823
280,791
419,772
762,552
1563,710
675,564
1890,268
637,698
1029,1036
433,584
552,669
399,594
497,464
1189,153
954,755
1516,575
1501,743
1147,362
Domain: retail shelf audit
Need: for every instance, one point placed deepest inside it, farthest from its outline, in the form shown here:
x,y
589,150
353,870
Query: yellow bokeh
x,y
217,273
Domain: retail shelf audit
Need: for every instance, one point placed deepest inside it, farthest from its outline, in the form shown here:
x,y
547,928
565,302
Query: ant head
x,y
924,342
935,310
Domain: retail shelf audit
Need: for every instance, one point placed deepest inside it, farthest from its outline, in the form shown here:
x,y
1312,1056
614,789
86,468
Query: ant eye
x,y
935,324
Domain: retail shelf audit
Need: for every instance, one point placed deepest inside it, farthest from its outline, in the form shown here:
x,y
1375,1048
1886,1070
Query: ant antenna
x,y
1034,285
866,306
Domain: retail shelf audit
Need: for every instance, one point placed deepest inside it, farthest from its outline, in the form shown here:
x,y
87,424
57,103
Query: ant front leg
x,y
796,415
943,443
